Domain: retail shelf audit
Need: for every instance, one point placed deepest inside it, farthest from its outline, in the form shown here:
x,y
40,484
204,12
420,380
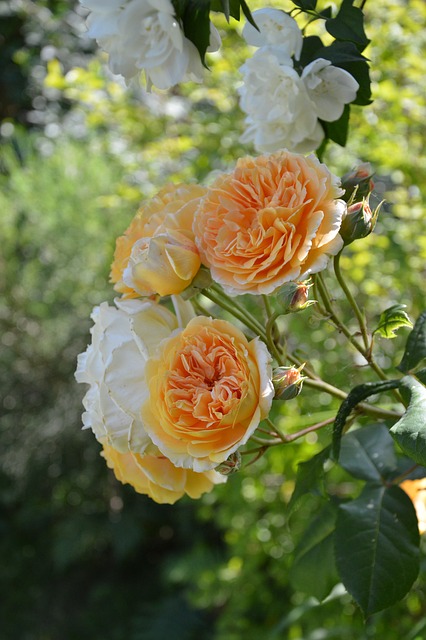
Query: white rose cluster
x,y
145,35
283,108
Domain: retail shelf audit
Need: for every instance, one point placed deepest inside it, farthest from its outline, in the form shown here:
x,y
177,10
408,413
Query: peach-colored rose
x,y
275,219
156,477
416,491
208,390
157,253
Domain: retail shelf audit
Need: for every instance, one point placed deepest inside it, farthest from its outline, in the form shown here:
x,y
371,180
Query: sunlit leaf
x,y
377,551
391,320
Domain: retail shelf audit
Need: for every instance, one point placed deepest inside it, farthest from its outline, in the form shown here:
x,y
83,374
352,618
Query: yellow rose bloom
x,y
157,253
209,388
275,219
156,477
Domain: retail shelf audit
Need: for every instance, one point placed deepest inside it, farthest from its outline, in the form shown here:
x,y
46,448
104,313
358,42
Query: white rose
x,y
329,88
145,35
114,365
275,28
279,109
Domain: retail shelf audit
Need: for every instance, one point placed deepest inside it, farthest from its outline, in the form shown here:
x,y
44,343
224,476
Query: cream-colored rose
x,y
156,477
114,367
208,390
157,253
275,219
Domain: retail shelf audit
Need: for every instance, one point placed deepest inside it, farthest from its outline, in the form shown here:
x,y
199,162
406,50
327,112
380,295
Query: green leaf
x,y
306,5
310,48
348,25
315,552
391,320
346,56
410,431
338,130
247,13
309,478
369,453
196,24
358,394
415,349
227,8
377,551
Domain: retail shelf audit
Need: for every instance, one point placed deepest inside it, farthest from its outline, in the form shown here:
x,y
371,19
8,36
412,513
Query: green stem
x,y
352,301
246,319
234,304
362,406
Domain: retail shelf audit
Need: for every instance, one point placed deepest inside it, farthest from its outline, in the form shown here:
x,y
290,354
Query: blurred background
x,y
82,555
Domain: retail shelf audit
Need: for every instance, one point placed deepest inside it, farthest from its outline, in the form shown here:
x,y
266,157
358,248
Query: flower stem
x,y
351,300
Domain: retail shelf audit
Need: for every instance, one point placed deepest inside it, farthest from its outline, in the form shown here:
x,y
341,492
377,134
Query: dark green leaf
x,y
348,25
377,542
310,478
341,52
369,453
415,349
311,45
326,13
338,130
316,549
358,394
247,13
196,24
421,375
306,5
391,320
227,7
410,431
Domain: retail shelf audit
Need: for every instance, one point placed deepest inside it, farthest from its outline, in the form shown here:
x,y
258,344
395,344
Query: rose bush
x,y
274,219
157,253
156,477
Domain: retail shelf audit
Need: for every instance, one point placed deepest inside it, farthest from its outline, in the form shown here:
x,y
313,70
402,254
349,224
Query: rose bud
x,y
231,465
358,182
293,296
359,221
288,382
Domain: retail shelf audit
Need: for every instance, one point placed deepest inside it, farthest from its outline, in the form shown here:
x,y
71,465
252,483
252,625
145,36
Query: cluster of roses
x,y
173,394
283,107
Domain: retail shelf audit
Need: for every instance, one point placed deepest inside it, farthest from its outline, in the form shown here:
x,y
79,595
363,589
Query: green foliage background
x,y
82,555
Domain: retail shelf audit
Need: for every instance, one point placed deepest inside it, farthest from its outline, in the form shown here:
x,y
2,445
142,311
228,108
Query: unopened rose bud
x,y
359,221
231,465
293,296
358,182
288,382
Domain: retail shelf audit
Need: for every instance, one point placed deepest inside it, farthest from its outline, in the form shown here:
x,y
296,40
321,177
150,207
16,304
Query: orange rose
x,y
275,219
208,390
157,253
156,477
416,491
